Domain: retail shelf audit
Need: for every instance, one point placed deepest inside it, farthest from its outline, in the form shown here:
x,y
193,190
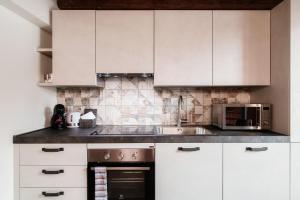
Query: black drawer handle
x,y
52,150
61,171
56,194
189,149
256,149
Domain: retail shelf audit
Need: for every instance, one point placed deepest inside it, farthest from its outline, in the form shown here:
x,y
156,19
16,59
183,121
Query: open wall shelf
x,y
45,51
46,84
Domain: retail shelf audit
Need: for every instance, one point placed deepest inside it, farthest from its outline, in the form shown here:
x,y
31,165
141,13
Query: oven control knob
x,y
107,156
134,156
121,156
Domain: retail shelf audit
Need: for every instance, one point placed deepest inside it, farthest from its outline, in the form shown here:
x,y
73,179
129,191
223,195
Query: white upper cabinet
x,y
124,41
188,171
241,48
256,171
74,48
183,48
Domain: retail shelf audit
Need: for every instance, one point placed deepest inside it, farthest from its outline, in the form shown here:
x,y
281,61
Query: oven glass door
x,y
127,183
242,117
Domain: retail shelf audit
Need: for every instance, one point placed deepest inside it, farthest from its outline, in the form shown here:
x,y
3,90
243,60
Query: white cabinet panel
x,y
241,48
16,171
124,41
53,154
295,171
259,175
72,176
183,48
192,175
74,47
68,193
120,145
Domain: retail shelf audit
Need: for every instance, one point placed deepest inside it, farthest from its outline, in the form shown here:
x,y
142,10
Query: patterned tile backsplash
x,y
134,101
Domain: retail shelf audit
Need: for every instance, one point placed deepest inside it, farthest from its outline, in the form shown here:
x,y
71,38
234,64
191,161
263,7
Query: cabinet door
x,y
191,175
124,41
260,174
183,48
295,171
241,48
74,48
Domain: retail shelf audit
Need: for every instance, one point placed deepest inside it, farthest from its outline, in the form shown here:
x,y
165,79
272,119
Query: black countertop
x,y
144,134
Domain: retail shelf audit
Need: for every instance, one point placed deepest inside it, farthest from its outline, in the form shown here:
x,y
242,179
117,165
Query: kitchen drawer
x,y
69,176
53,154
68,193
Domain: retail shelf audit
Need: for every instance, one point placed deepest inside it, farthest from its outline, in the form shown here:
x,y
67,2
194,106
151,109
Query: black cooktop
x,y
126,130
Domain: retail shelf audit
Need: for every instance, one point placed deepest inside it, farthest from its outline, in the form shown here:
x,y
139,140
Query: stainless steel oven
x,y
242,116
129,173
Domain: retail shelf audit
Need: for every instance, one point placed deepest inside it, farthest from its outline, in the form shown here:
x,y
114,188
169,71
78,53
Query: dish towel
x,y
100,183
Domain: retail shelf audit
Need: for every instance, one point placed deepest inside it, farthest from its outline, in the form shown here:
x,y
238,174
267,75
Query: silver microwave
x,y
242,116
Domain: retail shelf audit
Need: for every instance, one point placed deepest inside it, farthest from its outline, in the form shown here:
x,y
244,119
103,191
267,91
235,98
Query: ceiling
x,y
167,4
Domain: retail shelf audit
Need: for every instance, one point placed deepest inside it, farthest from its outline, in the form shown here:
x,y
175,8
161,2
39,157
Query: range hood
x,y
108,75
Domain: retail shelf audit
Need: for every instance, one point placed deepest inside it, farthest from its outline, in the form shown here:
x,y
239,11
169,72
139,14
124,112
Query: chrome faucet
x,y
180,107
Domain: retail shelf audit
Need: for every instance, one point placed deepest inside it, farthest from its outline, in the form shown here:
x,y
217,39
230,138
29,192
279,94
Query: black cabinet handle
x,y
56,194
256,149
52,150
61,171
189,149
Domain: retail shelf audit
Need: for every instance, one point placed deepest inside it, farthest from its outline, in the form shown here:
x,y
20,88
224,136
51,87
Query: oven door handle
x,y
125,168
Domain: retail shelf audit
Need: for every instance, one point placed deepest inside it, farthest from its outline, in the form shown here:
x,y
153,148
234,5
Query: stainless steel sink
x,y
172,130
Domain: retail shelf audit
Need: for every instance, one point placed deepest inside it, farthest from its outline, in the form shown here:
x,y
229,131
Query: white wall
x,y
278,94
23,104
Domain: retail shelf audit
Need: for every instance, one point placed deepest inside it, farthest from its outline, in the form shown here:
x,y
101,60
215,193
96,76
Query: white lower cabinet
x,y
52,171
53,193
256,171
184,171
188,171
